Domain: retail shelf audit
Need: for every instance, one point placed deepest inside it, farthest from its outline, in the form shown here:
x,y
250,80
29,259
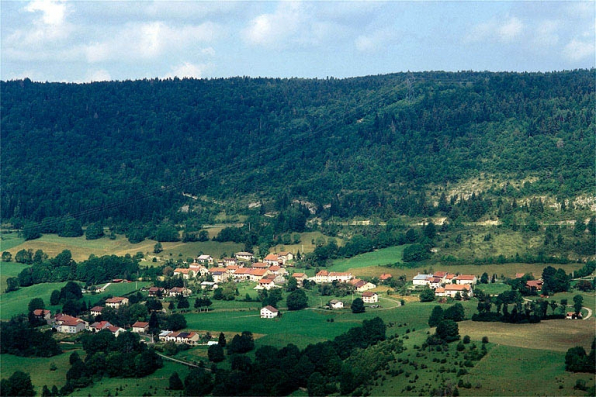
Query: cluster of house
x,y
535,285
447,284
325,276
190,338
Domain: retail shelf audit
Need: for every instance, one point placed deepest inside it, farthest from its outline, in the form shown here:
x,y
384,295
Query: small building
x,y
300,277
272,259
185,273
219,274
466,279
573,316
242,274
535,285
257,274
209,285
244,256
179,291
451,290
385,277
117,302
157,291
284,257
269,312
370,297
322,277
69,325
342,277
421,279
265,283
42,314
98,326
335,304
96,311
116,331
205,259
140,327
230,261
163,335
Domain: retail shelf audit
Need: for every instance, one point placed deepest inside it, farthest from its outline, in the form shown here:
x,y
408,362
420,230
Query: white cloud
x,y
510,30
274,30
187,69
99,75
577,50
376,41
546,34
151,40
54,12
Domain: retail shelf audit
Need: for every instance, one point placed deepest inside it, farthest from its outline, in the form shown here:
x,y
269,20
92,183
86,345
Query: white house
x,y
269,312
244,256
205,259
335,304
466,279
140,327
421,279
69,325
451,290
116,302
370,297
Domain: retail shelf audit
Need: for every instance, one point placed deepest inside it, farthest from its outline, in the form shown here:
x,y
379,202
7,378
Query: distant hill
x,y
352,147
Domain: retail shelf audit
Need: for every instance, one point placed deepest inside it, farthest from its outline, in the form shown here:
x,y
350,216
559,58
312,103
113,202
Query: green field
x,y
38,368
385,256
9,240
9,269
493,289
15,302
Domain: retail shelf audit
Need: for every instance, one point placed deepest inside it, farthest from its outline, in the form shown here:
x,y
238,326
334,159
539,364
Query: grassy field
x,y
9,269
493,289
192,250
10,240
385,256
15,302
518,371
306,243
38,368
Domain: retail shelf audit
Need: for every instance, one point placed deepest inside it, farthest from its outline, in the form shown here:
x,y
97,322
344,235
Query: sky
x,y
84,41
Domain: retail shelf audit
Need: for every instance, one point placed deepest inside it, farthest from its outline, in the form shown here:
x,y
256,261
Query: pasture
x,y
7,270
493,289
38,368
15,302
385,256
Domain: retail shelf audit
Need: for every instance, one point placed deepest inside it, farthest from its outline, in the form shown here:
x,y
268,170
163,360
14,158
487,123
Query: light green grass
x,y
15,302
516,371
493,289
9,269
191,250
9,240
385,256
38,368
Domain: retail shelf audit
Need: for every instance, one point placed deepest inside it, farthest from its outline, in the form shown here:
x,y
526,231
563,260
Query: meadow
x,y
7,270
15,302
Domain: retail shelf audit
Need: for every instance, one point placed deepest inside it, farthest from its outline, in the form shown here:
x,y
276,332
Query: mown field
x,y
9,269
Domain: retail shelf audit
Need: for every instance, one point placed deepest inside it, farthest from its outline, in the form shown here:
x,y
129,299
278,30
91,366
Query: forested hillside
x,y
127,151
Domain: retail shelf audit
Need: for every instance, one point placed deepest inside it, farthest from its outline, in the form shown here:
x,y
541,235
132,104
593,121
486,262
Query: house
x,y
257,274
265,283
230,261
190,338
440,275
385,277
219,275
185,273
242,274
365,286
322,277
278,271
163,335
272,259
534,284
42,314
157,291
285,256
69,325
451,290
198,269
115,330
269,312
260,265
244,256
140,327
448,279
205,259
573,316
435,282
335,304
342,277
209,285
96,311
466,279
176,291
370,297
279,280
117,302
98,326
231,269
421,279
300,277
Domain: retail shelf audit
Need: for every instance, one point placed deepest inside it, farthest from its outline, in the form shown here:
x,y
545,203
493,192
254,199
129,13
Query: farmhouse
x,y
98,326
242,274
69,325
534,284
116,302
421,279
322,277
466,279
96,311
230,261
209,285
219,275
115,330
42,314
244,256
156,291
140,327
300,277
342,277
266,284
257,274
451,290
190,338
385,277
285,256
260,265
205,259
185,273
177,291
370,297
198,269
272,259
269,312
335,304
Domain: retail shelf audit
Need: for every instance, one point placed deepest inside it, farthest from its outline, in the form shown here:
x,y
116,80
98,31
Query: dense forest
x,y
139,151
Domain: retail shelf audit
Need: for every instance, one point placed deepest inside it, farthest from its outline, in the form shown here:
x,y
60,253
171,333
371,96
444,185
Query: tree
x,y
448,330
71,227
153,323
183,303
36,303
415,253
12,284
24,256
31,231
216,353
175,383
358,306
292,284
71,291
6,256
484,278
18,384
222,340
578,301
198,382
427,295
430,231
436,316
455,313
157,248
176,322
297,300
55,297
241,343
94,231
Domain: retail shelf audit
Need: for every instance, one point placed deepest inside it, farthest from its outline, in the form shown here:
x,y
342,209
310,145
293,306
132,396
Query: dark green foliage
x,y
436,316
415,253
297,300
198,382
17,337
18,384
221,341
427,295
6,256
455,313
176,322
31,231
216,353
576,360
357,306
70,227
241,343
12,284
175,383
94,231
36,303
448,331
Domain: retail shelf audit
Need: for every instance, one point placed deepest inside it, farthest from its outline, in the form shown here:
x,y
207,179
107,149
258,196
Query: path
x,y
589,312
105,286
179,361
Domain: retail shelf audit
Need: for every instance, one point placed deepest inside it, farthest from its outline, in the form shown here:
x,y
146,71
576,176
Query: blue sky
x,y
81,41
